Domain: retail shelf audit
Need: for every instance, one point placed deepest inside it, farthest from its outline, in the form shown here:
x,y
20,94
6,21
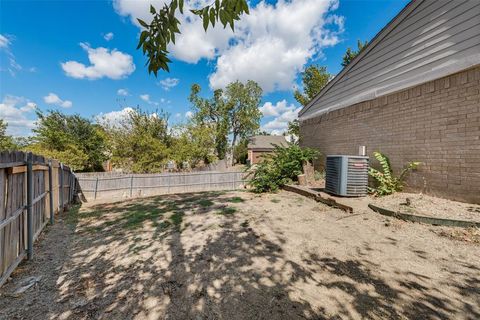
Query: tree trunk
x,y
234,142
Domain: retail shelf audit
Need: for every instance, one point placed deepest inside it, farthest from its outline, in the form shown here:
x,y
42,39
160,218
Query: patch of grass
x,y
164,224
205,203
177,218
73,215
236,200
137,216
227,211
275,200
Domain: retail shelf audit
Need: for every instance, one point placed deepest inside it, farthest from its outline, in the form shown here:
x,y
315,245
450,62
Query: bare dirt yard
x,y
237,255
421,204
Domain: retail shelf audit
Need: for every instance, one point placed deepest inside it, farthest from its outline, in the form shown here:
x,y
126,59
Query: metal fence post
x,y
29,205
169,182
61,188
50,192
209,186
71,186
131,186
96,187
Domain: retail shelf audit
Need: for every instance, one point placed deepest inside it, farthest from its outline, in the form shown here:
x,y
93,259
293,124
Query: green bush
x,y
386,182
280,167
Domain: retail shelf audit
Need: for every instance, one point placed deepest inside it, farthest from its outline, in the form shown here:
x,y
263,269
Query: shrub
x,y
280,167
386,182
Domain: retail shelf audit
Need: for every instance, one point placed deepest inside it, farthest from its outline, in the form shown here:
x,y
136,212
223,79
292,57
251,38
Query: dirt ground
x,y
236,255
421,204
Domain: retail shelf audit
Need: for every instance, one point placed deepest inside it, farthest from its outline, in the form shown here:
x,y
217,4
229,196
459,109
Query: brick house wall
x,y
437,123
256,156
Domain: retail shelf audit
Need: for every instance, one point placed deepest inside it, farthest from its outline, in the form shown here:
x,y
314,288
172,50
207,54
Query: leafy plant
x,y
319,175
280,167
6,141
314,78
156,36
71,139
387,183
350,54
233,111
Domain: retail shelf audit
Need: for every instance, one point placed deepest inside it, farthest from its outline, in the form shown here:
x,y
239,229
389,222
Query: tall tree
x,y
231,112
165,25
71,139
140,143
243,101
350,54
6,141
194,144
213,113
314,78
294,128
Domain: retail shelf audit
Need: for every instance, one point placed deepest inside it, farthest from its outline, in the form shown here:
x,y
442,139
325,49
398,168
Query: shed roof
x,y
266,142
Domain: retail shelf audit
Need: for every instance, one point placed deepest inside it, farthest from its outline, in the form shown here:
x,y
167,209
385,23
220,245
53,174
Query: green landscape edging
x,y
423,219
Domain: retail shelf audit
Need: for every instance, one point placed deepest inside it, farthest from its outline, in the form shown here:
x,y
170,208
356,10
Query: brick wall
x,y
437,123
257,156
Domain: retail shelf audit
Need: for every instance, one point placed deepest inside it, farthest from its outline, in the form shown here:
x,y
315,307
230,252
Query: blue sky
x,y
46,45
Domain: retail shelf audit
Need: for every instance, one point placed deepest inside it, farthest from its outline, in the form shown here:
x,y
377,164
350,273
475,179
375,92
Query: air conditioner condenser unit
x,y
346,175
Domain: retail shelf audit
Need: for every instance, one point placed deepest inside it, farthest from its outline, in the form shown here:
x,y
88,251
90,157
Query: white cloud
x,y
270,46
18,112
272,110
108,36
4,42
283,114
112,64
275,42
145,97
168,83
13,65
188,114
52,98
122,92
113,118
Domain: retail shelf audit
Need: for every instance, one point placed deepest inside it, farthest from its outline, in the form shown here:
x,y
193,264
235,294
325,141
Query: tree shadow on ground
x,y
230,272
195,256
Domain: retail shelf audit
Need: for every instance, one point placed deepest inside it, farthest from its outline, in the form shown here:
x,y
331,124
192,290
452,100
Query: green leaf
x,y
212,17
173,7
143,23
152,10
180,6
143,36
245,7
205,18
223,18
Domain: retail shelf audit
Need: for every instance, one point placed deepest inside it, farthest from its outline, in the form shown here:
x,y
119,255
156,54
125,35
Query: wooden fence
x,y
140,185
32,190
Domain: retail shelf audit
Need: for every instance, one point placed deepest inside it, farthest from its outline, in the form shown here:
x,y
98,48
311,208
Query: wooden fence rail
x,y
32,190
139,185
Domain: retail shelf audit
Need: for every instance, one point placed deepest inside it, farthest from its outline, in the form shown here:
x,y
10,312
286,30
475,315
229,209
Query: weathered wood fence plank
x,y
139,185
20,226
